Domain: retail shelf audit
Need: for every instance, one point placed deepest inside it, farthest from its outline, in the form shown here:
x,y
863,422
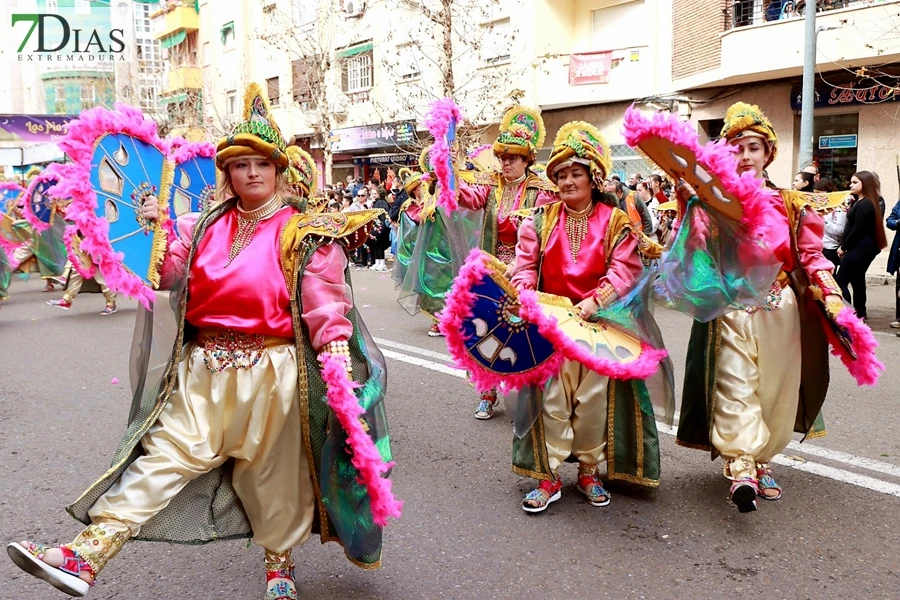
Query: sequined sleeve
x,y
326,296
180,235
624,269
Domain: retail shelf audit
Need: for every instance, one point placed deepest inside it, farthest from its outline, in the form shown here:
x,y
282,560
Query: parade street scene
x,y
465,299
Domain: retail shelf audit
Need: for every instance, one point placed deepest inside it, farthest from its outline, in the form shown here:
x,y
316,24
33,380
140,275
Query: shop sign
x,y
589,68
834,142
384,135
34,128
848,94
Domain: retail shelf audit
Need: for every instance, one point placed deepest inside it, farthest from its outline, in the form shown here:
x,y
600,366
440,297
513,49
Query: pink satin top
x,y
414,212
576,280
250,294
475,197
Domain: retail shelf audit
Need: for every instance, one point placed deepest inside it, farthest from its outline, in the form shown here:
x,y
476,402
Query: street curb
x,y
879,279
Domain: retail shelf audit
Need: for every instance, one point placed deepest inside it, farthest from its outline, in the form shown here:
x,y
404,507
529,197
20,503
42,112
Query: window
x,y
88,96
496,38
52,5
304,11
835,141
83,7
228,35
206,53
59,102
141,18
408,61
273,89
306,76
149,55
231,103
357,73
149,95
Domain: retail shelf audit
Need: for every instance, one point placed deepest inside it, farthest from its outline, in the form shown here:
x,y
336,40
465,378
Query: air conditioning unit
x,y
354,8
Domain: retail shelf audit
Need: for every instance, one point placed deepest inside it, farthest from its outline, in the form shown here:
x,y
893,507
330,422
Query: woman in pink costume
x,y
239,439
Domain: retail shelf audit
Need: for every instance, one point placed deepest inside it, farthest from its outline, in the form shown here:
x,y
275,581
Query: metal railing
x,y
741,13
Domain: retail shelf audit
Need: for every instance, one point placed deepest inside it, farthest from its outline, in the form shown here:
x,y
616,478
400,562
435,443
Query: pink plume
x,y
366,457
181,150
48,175
865,368
438,122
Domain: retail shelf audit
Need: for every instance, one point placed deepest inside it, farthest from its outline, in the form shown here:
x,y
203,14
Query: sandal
x,y
280,576
592,488
66,577
743,494
767,482
538,499
485,408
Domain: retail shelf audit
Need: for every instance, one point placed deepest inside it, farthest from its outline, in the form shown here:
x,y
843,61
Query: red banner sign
x,y
589,68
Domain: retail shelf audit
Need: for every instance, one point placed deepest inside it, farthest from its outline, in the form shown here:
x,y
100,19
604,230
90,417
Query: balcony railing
x,y
741,13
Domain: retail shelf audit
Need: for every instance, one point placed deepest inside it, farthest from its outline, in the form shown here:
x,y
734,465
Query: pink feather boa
x,y
458,308
763,216
10,248
181,150
366,457
11,185
865,368
437,121
48,175
75,184
479,150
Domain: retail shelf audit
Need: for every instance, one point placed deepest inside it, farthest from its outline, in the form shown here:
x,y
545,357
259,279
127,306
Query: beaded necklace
x,y
576,228
247,222
508,192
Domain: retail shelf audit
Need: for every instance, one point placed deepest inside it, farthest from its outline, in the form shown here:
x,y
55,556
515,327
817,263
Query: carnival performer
x,y
755,376
499,195
409,218
584,248
75,281
238,440
44,252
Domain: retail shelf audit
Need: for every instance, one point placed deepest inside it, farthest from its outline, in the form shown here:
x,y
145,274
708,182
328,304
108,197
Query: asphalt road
x,y
833,535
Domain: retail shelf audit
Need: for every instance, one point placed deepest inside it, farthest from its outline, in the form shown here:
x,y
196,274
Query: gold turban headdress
x,y
302,174
522,132
745,120
256,135
581,143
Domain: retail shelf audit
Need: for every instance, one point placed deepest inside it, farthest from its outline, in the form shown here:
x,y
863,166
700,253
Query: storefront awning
x,y
396,158
182,97
354,50
226,28
174,39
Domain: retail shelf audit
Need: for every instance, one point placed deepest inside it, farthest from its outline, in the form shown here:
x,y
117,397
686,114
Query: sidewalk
x,y
877,273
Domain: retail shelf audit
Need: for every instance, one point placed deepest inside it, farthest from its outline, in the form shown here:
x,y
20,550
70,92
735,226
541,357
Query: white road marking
x,y
413,349
859,480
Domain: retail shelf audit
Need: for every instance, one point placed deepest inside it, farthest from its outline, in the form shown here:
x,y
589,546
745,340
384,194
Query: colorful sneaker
x,y
767,483
109,310
485,408
72,576
538,499
61,303
435,330
743,494
592,488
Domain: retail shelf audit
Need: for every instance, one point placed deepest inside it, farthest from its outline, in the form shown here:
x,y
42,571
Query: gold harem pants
x,y
575,416
251,415
75,281
757,384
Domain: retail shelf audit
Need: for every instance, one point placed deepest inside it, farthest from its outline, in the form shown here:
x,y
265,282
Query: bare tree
x,y
307,38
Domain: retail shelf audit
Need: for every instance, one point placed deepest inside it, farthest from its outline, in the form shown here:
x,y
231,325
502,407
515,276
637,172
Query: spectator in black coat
x,y
863,239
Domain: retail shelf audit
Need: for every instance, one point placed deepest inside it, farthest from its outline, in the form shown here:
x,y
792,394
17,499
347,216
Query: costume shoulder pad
x,y
535,181
479,177
821,202
350,228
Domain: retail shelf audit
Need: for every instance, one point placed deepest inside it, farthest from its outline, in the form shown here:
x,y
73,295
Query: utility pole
x,y
808,105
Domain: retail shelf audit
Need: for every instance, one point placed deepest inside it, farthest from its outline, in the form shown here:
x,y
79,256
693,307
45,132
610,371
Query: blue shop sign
x,y
835,142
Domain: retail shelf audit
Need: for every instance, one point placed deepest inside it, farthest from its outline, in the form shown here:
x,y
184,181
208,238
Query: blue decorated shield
x,y
40,203
193,187
497,338
125,171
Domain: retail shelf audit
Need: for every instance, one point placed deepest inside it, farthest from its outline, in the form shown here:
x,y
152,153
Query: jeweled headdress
x,y
745,120
302,172
257,134
411,180
522,132
582,143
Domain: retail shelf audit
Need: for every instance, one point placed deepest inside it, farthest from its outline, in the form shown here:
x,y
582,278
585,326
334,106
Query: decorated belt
x,y
773,299
224,347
